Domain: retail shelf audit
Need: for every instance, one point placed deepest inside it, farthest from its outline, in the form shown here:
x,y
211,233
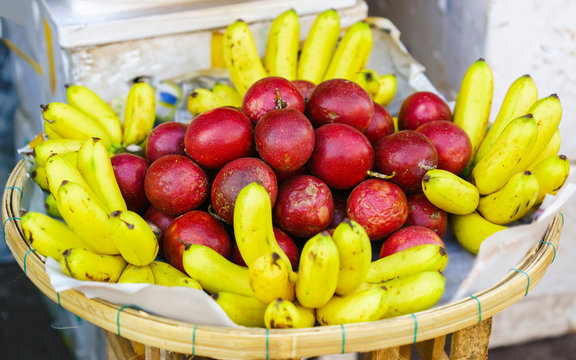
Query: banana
x,y
472,229
319,46
51,207
228,94
70,123
548,113
241,56
133,274
167,275
244,310
252,224
414,293
54,146
40,177
201,100
450,192
355,250
86,265
92,105
369,81
271,278
551,148
387,86
281,54
59,169
521,95
426,257
133,237
318,271
51,134
95,166
88,218
365,305
511,202
473,104
551,173
139,114
284,314
214,272
497,166
352,52
50,237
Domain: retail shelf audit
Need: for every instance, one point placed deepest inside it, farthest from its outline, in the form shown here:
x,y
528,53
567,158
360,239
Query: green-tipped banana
x,y
472,229
133,237
281,54
139,114
51,207
355,250
214,272
91,104
86,265
244,310
413,293
369,81
228,94
552,148
271,278
387,86
352,52
511,202
284,314
201,100
450,192
427,257
133,274
50,237
551,173
497,166
318,271
521,95
55,146
319,46
365,305
167,275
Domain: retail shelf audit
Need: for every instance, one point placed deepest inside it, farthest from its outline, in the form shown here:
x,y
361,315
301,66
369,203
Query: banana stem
x,y
379,175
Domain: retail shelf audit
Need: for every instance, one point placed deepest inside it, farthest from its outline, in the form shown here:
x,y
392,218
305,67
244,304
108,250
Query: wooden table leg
x,y
433,349
393,353
471,342
120,348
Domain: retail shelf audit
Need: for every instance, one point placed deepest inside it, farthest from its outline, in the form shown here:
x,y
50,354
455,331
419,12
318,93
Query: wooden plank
x,y
433,349
471,342
393,353
119,348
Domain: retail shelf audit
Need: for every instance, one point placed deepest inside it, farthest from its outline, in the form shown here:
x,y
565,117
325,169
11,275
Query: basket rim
x,y
259,343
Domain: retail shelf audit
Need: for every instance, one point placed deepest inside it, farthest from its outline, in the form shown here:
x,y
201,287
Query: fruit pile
x,y
274,206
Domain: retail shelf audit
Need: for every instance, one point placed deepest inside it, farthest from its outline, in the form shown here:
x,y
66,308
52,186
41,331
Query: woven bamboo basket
x,y
376,337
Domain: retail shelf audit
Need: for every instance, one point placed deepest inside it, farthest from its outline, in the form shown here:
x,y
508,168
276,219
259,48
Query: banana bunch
x,y
202,99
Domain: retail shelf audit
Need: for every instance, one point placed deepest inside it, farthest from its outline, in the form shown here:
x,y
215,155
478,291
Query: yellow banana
x,y
241,56
59,169
86,217
133,237
414,293
214,272
472,229
548,113
369,81
70,123
133,274
55,146
521,95
271,278
511,202
551,148
355,250
167,275
450,192
201,100
139,114
365,305
387,86
92,105
252,222
86,265
50,133
96,168
228,94
284,314
51,207
497,166
319,46
427,257
473,104
40,177
281,54
244,310
50,237
352,52
551,173
318,271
